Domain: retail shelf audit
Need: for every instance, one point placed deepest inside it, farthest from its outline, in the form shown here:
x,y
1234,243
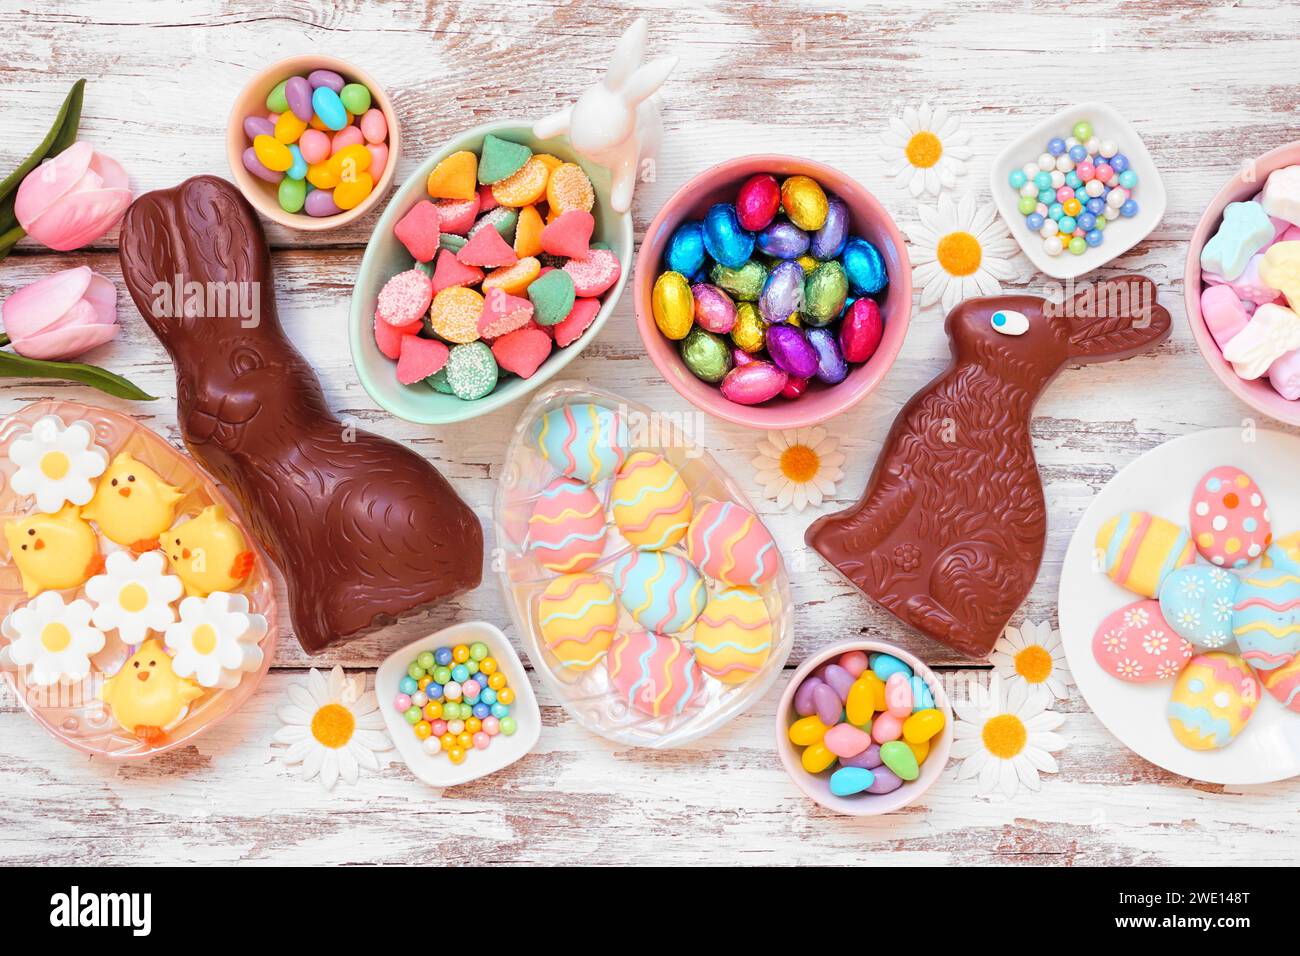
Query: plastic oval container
x,y
72,712
589,695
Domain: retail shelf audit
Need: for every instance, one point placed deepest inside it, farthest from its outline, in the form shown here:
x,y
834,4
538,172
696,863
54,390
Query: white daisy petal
x,y
323,757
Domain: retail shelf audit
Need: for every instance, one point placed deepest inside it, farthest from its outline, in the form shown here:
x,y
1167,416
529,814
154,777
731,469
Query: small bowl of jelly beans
x,y
458,704
312,142
864,728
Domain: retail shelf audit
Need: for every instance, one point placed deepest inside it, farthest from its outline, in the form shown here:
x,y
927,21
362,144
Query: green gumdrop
x,y
503,218
745,283
449,240
292,194
500,159
824,293
275,100
356,98
552,297
898,757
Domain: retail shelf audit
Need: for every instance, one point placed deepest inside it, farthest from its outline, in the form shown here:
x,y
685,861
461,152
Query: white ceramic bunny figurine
x,y
616,123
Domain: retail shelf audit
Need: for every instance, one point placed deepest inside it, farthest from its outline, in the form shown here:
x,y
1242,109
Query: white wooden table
x,y
1207,84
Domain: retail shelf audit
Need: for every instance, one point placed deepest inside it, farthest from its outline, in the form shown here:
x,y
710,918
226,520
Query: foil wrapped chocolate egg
x,y
706,355
757,202
782,292
714,310
673,305
748,331
754,383
809,264
861,331
744,284
724,238
828,241
824,293
791,351
794,387
864,266
783,240
831,367
804,202
740,357
685,250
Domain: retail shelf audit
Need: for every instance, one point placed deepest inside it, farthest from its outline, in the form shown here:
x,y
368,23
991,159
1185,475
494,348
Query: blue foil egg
x,y
828,241
724,238
783,240
864,266
831,367
781,293
685,252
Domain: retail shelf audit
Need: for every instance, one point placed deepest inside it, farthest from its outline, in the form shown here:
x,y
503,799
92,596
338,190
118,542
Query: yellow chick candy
x,y
54,551
132,504
146,695
208,553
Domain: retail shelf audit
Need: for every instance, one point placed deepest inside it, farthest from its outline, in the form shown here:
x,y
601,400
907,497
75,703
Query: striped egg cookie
x,y
733,636
582,441
653,673
730,544
576,616
662,591
566,531
650,502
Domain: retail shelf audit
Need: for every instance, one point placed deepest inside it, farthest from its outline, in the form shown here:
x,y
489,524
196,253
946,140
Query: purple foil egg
x,y
803,700
831,367
860,331
791,351
794,388
782,293
714,310
753,384
320,203
828,241
254,166
886,780
869,759
255,126
783,240
828,704
840,680
325,78
297,93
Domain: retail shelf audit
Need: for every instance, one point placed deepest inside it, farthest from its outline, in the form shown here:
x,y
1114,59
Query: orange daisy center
x,y
1005,736
959,253
1034,664
924,149
332,725
799,463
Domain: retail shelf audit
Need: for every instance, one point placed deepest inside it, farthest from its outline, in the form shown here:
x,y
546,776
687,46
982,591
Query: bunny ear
x,y
649,78
628,54
1115,319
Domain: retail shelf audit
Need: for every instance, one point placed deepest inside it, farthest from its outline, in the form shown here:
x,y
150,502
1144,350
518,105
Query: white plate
x,y
1122,234
437,770
1161,482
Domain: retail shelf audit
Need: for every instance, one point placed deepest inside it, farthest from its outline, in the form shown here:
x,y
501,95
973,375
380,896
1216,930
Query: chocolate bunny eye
x,y
1009,323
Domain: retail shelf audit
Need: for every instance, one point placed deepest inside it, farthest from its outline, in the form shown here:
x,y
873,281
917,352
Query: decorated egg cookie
x,y
1197,602
651,504
1266,614
1214,697
733,635
567,528
133,595
216,640
1283,683
653,673
208,552
55,641
731,545
662,591
1138,549
57,463
132,505
54,551
581,441
1229,518
1136,644
576,615
148,698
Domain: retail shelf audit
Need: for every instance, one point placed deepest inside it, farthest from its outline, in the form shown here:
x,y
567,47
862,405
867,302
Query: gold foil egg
x,y
747,333
804,202
673,305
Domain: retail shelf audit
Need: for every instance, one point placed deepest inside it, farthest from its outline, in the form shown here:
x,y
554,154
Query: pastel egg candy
x,y
654,674
733,635
297,93
576,616
860,704
886,727
566,531
706,355
1283,684
673,305
583,441
824,294
845,740
828,241
326,78
898,757
327,105
807,731
374,127
1137,550
846,781
714,310
803,696
861,331
923,725
754,383
724,238
782,293
757,202
275,100
886,781
650,502
782,240
662,591
1266,614
355,99
1245,230
864,267
804,202
272,153
869,759
816,758
828,704
839,679
254,166
292,194
831,367
886,665
1197,601
320,203
1229,519
744,284
1136,644
255,126
790,350
749,331
1213,699
685,250
730,544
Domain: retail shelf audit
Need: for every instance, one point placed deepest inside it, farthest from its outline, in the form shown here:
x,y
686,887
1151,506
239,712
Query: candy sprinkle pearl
x,y
441,716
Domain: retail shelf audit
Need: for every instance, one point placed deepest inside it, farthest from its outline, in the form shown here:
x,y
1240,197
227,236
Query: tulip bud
x,y
61,316
72,199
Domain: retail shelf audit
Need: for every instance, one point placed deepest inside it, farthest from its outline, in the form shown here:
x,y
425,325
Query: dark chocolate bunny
x,y
363,529
949,534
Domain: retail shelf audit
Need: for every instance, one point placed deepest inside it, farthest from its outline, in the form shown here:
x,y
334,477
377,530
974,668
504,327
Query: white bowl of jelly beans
x,y
458,704
864,728
1078,190
312,142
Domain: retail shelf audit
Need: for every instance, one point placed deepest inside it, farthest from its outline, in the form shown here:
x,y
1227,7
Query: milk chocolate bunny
x,y
363,529
949,534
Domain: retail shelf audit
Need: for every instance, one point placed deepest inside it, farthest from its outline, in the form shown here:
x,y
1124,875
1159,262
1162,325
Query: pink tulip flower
x,y
72,199
61,316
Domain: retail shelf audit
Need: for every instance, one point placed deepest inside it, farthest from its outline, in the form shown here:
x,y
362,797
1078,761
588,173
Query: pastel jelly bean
x,y
254,166
855,662
898,757
298,168
355,99
860,705
347,136
886,727
272,153
898,694
882,665
803,697
828,703
298,95
255,126
292,194
374,127
922,725
850,780
845,740
922,699
275,100
816,758
805,731
886,781
326,78
869,758
839,679
314,146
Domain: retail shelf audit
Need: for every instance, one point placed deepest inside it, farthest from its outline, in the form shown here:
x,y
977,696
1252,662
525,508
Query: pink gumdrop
x,y
471,688
1085,170
373,126
1064,194
314,146
829,705
439,727
845,740
491,726
486,200
886,727
481,741
898,695
402,702
855,662
347,136
1223,313
804,705
378,158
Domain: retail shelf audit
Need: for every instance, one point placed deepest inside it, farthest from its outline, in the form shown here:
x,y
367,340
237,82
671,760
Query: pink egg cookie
x,y
567,529
731,545
1229,518
1136,645
654,674
1283,683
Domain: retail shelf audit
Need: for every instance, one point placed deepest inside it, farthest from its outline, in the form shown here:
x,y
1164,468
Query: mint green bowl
x,y
385,257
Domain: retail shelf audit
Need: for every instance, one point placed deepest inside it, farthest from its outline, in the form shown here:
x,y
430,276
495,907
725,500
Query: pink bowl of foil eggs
x,y
815,401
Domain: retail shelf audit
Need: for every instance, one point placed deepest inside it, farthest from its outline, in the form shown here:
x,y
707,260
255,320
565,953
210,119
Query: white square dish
x,y
1123,234
437,770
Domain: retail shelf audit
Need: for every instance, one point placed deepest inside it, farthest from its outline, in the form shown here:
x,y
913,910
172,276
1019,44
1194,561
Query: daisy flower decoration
x,y
57,463
798,467
54,640
928,148
1032,655
960,250
333,727
1005,737
133,595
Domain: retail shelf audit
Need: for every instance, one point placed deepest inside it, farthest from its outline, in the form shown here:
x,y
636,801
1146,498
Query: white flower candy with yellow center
x,y
133,595
57,463
216,640
55,640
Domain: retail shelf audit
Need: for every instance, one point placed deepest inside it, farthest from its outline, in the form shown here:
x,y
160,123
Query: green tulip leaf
x,y
61,135
19,366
